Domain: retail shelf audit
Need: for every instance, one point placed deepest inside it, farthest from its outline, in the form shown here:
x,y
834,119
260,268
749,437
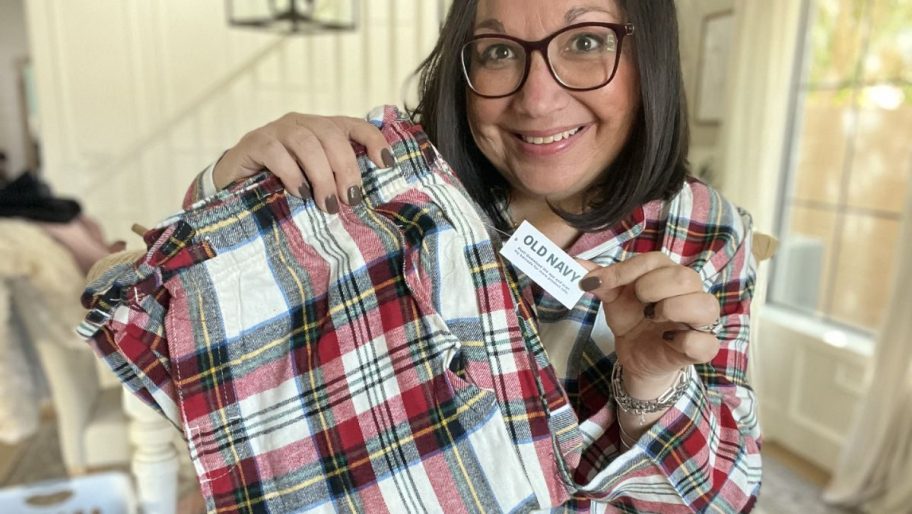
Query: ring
x,y
713,328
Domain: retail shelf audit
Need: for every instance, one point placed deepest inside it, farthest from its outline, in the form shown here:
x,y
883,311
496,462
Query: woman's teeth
x,y
549,139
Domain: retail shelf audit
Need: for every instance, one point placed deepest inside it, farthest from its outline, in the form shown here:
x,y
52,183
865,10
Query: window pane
x,y
852,163
835,40
803,261
889,57
882,160
822,146
864,270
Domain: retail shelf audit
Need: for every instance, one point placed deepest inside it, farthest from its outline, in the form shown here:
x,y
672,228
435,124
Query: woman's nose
x,y
541,93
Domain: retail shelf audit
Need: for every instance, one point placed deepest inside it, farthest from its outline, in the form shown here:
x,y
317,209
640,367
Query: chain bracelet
x,y
642,407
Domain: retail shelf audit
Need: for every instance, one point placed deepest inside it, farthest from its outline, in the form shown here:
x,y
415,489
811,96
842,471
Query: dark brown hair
x,y
653,162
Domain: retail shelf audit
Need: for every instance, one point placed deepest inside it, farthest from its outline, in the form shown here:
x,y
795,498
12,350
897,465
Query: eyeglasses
x,y
581,57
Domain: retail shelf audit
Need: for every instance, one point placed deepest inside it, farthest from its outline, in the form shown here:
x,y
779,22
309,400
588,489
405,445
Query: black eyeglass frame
x,y
620,30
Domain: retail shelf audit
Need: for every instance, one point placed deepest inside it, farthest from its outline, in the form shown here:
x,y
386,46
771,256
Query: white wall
x,y
704,137
13,48
136,97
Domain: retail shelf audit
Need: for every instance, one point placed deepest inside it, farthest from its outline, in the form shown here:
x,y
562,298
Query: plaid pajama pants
x,y
381,359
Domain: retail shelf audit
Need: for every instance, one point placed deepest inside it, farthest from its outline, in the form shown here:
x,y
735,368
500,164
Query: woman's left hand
x,y
659,315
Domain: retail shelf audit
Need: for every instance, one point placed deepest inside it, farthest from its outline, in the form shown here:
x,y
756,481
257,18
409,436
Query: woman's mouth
x,y
553,138
548,143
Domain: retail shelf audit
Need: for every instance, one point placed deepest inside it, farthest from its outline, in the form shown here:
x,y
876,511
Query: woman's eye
x,y
495,53
586,43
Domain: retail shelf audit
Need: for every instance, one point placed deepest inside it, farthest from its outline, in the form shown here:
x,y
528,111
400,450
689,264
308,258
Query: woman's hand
x,y
655,308
311,155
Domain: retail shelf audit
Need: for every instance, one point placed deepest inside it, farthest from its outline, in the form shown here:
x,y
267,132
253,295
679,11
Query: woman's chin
x,y
544,185
552,192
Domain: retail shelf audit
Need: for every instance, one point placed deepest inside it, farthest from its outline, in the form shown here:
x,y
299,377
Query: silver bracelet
x,y
642,407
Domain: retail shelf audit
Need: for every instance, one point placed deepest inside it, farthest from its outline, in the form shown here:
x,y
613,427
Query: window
x,y
850,162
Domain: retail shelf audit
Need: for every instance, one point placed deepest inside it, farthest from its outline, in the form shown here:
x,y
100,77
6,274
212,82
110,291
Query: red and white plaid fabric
x,y
703,455
376,360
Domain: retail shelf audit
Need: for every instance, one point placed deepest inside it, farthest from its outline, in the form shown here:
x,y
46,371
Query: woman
x,y
571,115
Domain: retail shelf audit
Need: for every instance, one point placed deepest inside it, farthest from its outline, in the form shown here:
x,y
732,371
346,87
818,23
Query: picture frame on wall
x,y
716,38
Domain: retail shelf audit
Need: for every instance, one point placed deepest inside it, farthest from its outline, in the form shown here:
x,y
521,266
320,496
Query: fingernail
x,y
304,191
387,157
668,336
650,311
354,195
590,283
332,204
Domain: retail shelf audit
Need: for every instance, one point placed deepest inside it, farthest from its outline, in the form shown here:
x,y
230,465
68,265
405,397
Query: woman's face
x,y
515,133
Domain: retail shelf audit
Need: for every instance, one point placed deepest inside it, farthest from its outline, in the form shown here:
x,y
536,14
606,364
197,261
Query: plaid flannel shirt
x,y
702,455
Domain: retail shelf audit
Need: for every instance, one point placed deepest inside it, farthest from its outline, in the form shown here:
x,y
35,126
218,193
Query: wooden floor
x,y
11,455
38,458
796,464
9,458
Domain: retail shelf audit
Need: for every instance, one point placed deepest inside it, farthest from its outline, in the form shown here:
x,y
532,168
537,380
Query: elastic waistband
x,y
242,211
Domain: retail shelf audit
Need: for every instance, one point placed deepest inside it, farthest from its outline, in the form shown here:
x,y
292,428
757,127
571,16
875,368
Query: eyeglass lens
x,y
580,58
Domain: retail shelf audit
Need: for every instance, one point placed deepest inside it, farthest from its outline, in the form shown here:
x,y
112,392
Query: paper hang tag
x,y
545,263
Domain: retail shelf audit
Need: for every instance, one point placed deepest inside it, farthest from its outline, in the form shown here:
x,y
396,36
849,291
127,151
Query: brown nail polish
x,y
650,311
332,204
304,191
387,157
668,336
354,195
590,283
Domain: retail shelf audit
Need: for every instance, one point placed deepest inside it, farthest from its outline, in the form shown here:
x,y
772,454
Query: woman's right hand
x,y
311,155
